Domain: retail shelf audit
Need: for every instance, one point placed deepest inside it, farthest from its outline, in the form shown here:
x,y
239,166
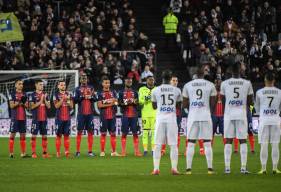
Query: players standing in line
x,y
107,103
268,104
165,99
237,94
84,96
64,104
199,98
174,82
217,117
39,103
147,113
128,101
18,103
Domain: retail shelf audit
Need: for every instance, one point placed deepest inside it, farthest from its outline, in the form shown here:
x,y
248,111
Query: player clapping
x,y
39,103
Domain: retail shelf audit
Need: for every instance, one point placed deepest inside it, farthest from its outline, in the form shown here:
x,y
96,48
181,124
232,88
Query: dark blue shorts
x,y
250,124
129,123
39,127
85,122
62,127
179,123
108,125
18,126
217,122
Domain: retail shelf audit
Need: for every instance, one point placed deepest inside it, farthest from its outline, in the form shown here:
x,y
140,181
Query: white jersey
x,y
268,103
236,91
199,92
166,96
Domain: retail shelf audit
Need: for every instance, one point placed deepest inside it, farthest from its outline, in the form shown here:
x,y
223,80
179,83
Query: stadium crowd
x,y
219,33
78,35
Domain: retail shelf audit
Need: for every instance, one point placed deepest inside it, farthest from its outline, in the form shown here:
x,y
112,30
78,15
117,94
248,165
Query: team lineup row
x,y
160,108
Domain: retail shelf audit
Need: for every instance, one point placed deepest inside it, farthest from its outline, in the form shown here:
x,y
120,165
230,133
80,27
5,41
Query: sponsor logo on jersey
x,y
167,109
197,104
236,103
269,111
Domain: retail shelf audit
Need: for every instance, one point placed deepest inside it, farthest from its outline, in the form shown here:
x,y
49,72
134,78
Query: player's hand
x,y
147,98
23,99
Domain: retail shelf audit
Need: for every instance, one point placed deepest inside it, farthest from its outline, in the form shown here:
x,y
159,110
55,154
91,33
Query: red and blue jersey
x,y
62,113
85,105
219,106
39,113
125,96
108,112
18,113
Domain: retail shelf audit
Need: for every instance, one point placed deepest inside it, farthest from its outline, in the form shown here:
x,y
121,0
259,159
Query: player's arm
x,y
47,101
141,96
70,102
185,99
77,96
135,100
34,104
13,102
120,99
154,99
257,104
57,102
222,92
213,99
250,97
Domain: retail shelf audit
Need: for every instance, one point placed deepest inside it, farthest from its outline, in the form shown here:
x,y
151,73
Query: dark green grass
x,y
126,173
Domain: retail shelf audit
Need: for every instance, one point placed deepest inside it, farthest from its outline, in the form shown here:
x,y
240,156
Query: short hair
x,y
174,76
60,81
38,81
167,75
235,68
270,76
104,78
200,70
17,80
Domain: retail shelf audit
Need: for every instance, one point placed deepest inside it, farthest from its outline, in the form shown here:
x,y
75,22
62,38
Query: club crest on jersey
x,y
197,104
167,109
270,112
236,103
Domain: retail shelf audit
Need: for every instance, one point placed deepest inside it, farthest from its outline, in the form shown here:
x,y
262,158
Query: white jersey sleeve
x,y
268,101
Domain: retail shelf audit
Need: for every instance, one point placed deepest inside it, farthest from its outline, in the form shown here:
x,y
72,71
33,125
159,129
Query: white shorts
x,y
166,133
269,134
200,130
235,129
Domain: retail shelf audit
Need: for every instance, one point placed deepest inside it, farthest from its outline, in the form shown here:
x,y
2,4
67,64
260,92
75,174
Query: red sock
x,y
123,143
33,144
201,144
179,140
66,143
224,140
186,143
252,142
90,141
102,141
236,141
78,141
44,144
163,147
58,143
113,142
136,143
11,144
22,145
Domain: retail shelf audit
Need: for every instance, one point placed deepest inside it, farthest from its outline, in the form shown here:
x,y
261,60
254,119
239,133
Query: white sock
x,y
264,155
157,157
243,154
189,154
227,155
174,156
209,154
275,155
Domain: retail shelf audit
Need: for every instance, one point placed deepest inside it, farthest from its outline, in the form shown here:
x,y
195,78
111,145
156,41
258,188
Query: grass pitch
x,y
126,173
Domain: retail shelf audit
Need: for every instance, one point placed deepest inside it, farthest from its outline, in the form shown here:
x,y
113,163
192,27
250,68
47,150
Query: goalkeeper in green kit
x,y
147,113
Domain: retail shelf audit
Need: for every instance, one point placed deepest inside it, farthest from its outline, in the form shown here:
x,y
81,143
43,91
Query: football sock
x,y
264,155
243,154
157,157
152,140
102,141
236,142
123,142
163,147
275,155
33,144
23,144
90,141
145,139
174,156
58,143
179,140
11,144
78,141
44,144
252,142
66,143
224,140
189,154
209,154
227,155
113,142
136,142
201,144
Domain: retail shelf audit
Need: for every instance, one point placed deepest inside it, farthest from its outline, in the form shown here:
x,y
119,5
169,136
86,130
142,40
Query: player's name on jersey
x,y
271,92
235,82
199,84
166,89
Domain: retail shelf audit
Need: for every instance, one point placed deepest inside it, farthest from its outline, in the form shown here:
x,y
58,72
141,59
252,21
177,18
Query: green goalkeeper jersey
x,y
145,102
